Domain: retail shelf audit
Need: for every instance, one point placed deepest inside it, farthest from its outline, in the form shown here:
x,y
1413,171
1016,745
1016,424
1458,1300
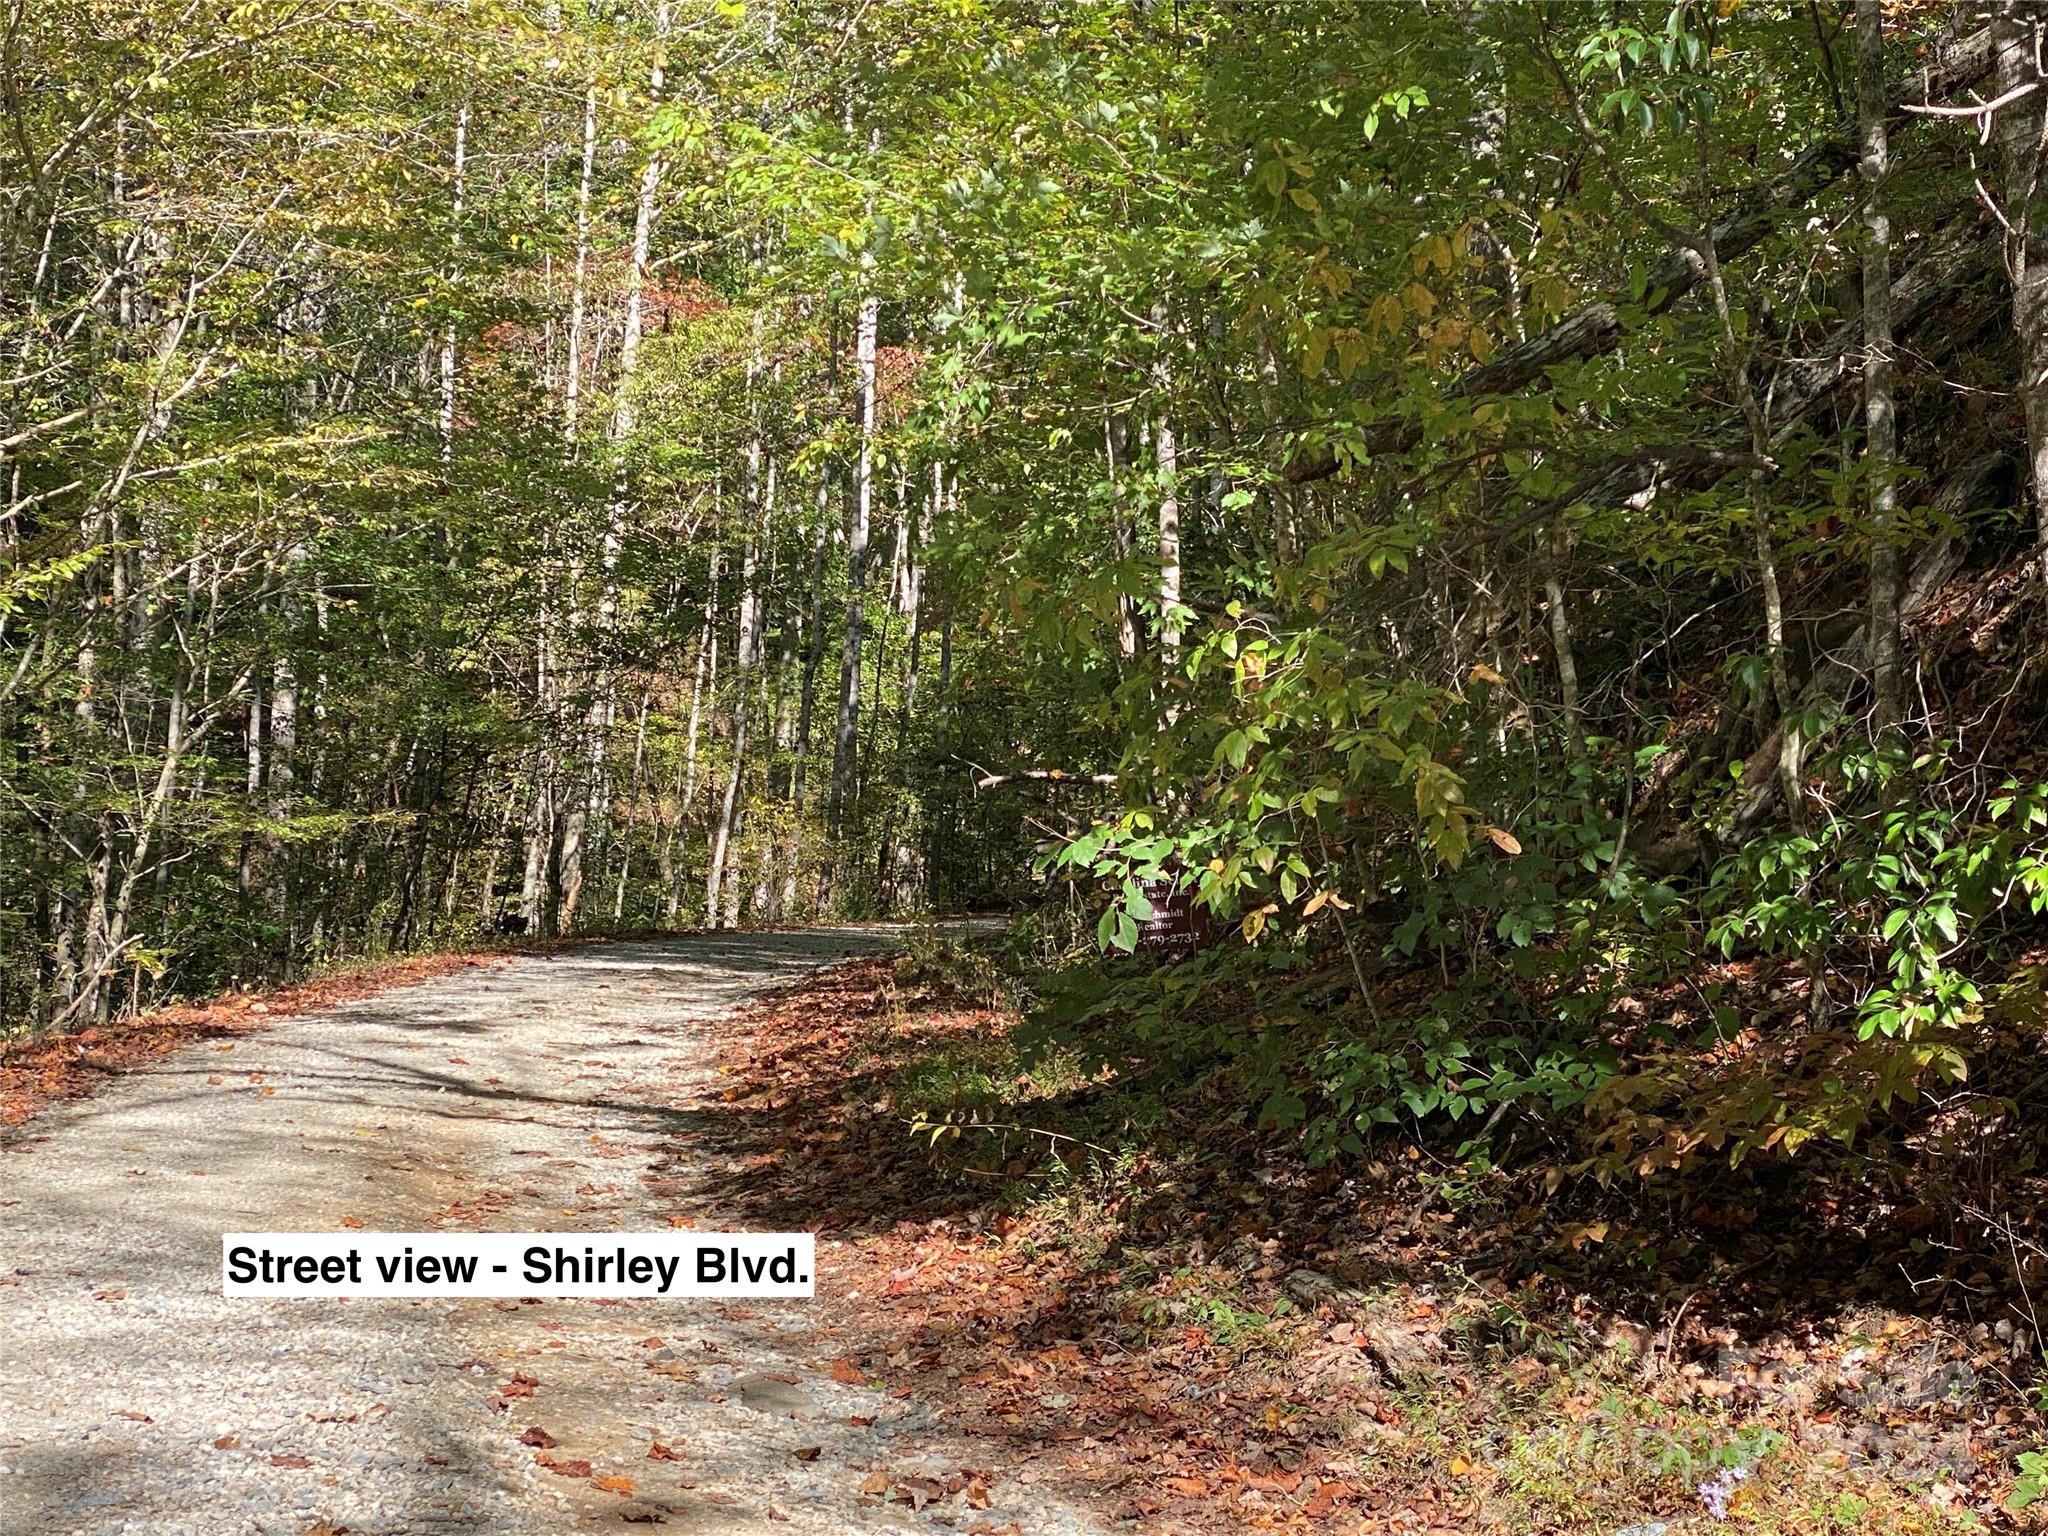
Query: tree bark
x,y
1880,444
846,741
454,258
2022,124
745,653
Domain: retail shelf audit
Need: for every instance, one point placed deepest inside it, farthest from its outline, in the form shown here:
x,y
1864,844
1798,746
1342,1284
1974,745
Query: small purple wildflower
x,y
1717,1490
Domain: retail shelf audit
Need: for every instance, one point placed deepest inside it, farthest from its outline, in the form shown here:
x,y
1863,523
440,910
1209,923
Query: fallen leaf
x,y
110,1295
1460,1467
1577,1236
875,1482
535,1435
1327,1493
1188,1487
131,1413
353,1223
660,1452
613,1484
521,1385
563,1468
847,1373
227,1443
807,1453
290,1461
644,1517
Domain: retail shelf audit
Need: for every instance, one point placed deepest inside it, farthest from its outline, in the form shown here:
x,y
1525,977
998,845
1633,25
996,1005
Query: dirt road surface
x,y
551,1092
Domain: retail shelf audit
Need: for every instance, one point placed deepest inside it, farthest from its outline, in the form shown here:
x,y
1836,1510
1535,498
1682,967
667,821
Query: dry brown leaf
x,y
227,1443
290,1461
133,1413
807,1452
563,1468
536,1436
660,1452
620,1485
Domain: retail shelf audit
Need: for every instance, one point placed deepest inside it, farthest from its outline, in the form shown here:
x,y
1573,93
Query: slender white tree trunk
x,y
1167,449
454,257
572,379
1880,442
846,742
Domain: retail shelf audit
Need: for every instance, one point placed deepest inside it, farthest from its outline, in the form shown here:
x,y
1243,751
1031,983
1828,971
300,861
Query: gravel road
x,y
537,1093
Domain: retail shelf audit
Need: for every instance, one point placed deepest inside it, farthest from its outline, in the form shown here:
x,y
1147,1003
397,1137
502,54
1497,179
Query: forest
x,y
1520,525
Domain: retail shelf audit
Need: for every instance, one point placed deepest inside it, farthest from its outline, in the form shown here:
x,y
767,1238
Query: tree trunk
x,y
2018,30
745,653
1116,440
1880,447
846,742
1167,449
572,377
454,256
